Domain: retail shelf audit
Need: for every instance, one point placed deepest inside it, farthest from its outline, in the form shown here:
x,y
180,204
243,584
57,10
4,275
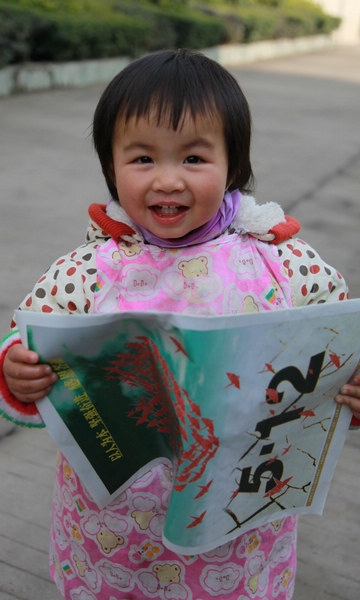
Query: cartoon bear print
x,y
167,574
276,525
107,530
130,250
164,580
198,285
116,257
258,575
84,568
81,565
109,540
143,518
148,516
250,305
253,583
194,268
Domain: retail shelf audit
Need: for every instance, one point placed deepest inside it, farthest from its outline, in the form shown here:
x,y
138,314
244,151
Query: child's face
x,y
170,182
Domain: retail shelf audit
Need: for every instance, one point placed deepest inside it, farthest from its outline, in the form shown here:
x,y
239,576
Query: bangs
x,y
170,93
169,110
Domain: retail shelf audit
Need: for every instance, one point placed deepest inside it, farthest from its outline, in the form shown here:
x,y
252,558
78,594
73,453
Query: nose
x,y
168,179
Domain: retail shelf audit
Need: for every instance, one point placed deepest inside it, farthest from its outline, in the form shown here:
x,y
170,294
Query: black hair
x,y
172,82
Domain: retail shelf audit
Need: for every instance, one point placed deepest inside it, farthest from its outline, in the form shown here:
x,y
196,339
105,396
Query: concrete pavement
x,y
306,155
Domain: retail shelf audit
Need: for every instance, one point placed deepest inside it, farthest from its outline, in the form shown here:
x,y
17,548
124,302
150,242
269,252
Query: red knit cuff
x,y
25,413
110,227
284,231
354,422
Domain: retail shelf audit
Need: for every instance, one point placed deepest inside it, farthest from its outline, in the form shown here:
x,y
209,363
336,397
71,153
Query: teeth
x,y
168,210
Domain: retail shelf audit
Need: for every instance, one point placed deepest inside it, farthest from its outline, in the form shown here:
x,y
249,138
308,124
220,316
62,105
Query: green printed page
x,y
110,394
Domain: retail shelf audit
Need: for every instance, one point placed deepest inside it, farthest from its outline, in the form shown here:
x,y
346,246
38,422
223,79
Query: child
x,y
172,132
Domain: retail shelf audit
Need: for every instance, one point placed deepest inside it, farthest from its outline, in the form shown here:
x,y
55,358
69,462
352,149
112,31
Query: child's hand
x,y
27,380
350,395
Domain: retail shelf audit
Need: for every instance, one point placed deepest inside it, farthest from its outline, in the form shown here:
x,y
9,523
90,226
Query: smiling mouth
x,y
168,211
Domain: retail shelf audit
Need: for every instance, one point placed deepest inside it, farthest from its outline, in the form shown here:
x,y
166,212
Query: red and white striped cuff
x,y
12,409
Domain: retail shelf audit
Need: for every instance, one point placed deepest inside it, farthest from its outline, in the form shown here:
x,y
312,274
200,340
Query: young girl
x,y
179,234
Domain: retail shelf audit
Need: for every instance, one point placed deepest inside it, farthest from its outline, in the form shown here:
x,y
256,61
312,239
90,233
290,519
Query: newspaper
x,y
240,407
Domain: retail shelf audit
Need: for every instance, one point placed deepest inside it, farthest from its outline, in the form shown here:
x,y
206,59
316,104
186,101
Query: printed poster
x,y
240,407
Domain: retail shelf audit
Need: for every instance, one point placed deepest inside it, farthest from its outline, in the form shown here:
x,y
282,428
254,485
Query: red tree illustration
x,y
162,404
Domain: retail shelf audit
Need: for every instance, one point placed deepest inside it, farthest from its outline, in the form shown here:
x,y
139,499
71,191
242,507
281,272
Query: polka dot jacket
x,y
69,285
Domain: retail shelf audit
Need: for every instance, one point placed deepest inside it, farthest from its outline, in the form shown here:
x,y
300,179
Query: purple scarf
x,y
210,230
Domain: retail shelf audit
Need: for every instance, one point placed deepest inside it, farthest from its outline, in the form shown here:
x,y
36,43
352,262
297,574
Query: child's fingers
x,y
27,380
30,390
350,395
19,354
31,385
33,397
351,390
21,363
17,370
356,380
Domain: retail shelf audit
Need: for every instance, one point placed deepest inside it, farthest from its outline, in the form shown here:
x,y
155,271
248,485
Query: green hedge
x,y
172,27
253,20
62,30
28,35
257,24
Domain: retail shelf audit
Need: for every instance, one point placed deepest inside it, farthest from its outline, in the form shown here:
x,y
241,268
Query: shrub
x,y
68,38
17,27
61,30
51,6
259,23
176,28
304,18
253,20
27,35
271,2
197,31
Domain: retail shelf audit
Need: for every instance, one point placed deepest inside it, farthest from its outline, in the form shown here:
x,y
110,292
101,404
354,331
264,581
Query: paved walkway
x,y
306,155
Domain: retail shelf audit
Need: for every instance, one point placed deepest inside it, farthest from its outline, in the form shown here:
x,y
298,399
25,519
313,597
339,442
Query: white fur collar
x,y
255,219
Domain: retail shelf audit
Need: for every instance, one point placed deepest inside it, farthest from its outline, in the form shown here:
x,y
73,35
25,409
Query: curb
x,y
32,77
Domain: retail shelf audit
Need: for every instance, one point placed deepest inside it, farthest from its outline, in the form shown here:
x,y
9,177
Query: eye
x,y
143,160
193,159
